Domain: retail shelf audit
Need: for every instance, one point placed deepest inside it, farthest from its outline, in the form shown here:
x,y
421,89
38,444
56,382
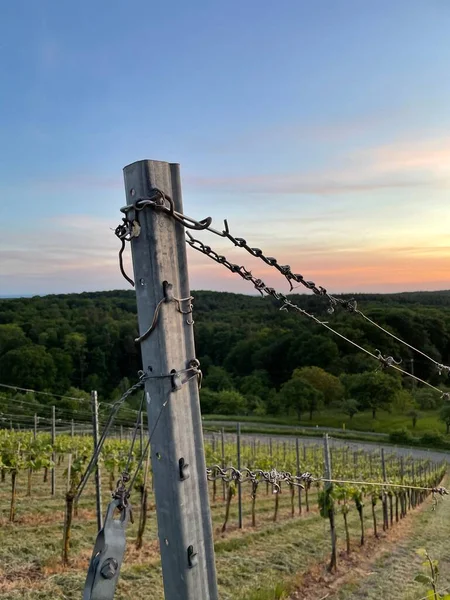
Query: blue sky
x,y
321,130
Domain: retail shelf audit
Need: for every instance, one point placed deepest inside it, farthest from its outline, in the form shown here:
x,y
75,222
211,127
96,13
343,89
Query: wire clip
x,y
386,361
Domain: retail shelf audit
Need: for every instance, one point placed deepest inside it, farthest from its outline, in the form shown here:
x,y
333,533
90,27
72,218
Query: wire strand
x,y
395,337
285,270
29,390
264,289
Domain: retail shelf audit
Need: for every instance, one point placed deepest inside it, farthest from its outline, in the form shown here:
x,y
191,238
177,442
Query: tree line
x,y
255,358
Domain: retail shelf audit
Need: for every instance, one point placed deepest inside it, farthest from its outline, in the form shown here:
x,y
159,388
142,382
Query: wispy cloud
x,y
59,252
420,163
323,183
306,132
77,181
347,245
430,156
76,253
417,163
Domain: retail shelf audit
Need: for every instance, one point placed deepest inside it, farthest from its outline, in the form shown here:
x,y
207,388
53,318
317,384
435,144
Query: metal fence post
x,y
141,434
238,452
168,355
35,425
297,457
53,452
98,481
328,488
384,494
222,449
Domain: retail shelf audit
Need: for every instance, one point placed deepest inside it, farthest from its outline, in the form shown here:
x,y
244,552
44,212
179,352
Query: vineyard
x,y
272,509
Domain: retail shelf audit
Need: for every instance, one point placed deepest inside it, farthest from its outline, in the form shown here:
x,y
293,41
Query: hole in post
x,y
132,192
158,455
117,514
166,541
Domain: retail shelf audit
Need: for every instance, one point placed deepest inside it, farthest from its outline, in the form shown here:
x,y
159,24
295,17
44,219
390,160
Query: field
x,y
268,561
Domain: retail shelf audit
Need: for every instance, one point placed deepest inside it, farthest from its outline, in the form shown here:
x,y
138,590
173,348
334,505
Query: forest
x,y
256,359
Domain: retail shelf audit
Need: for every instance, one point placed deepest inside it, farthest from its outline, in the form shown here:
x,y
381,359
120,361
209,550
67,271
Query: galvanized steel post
x,y
172,395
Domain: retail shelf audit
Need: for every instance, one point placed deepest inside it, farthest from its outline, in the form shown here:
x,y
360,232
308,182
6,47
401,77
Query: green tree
x,y
349,407
231,402
76,400
299,395
373,390
315,350
426,398
444,415
256,384
64,369
208,401
29,366
218,379
414,415
329,385
404,401
75,345
255,405
292,398
11,337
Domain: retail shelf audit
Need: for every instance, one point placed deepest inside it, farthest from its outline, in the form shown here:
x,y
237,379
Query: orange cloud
x,y
73,253
388,269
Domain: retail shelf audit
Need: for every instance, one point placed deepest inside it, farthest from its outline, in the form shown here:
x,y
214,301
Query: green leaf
x,y
421,552
422,578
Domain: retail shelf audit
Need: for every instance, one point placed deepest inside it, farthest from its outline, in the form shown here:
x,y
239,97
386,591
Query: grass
x,y
276,431
261,563
362,422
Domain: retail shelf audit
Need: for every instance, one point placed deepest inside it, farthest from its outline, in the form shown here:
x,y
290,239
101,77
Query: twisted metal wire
x,y
385,362
275,478
161,201
115,409
350,305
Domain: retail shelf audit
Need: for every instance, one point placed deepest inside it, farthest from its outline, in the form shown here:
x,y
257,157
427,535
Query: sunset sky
x,y
320,130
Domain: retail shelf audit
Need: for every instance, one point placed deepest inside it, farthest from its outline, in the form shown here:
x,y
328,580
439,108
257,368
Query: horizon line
x,y
290,293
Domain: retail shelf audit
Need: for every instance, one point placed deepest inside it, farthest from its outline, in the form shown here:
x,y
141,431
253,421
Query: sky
x,y
320,130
